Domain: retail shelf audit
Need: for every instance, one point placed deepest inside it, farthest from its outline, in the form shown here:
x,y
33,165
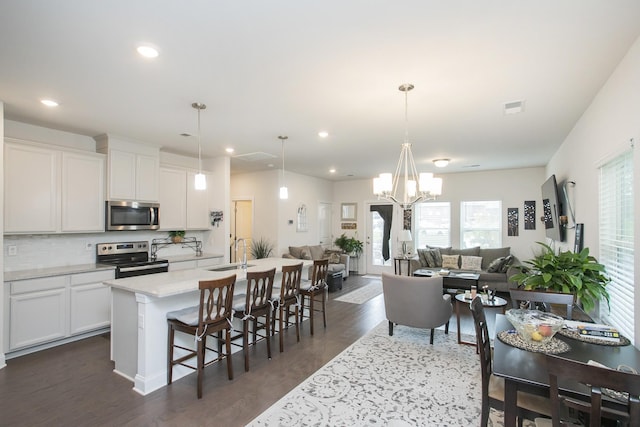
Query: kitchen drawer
x,y
93,277
34,285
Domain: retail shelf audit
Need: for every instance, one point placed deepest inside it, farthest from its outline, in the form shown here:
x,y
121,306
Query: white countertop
x,y
162,285
35,273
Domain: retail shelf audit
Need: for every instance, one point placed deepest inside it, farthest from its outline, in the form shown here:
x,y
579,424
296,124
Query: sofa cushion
x,y
475,251
490,254
317,252
443,251
296,251
504,266
450,261
473,263
430,257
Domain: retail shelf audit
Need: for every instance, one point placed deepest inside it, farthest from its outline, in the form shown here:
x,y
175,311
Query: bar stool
x,y
211,316
314,288
289,296
257,304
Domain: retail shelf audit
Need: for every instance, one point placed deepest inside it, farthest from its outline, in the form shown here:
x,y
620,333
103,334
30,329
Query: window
x,y
616,241
433,224
481,224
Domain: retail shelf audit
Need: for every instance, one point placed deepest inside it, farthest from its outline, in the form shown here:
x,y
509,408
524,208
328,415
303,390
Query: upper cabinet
x,y
132,169
182,206
49,190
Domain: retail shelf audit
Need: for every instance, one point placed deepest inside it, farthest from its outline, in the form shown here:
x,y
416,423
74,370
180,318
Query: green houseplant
x,y
177,236
567,272
349,245
261,248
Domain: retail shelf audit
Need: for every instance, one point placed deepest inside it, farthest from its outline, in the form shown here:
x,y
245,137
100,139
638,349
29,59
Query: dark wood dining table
x,y
526,370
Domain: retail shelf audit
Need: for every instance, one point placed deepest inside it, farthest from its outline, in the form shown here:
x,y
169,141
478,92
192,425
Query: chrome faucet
x,y
244,252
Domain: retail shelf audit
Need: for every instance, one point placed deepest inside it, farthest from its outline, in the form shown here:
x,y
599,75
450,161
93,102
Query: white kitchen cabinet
x,y
197,204
31,196
90,301
38,311
173,197
51,190
132,169
82,192
182,207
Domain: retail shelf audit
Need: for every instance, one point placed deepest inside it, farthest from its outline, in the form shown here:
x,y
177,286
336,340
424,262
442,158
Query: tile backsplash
x,y
57,250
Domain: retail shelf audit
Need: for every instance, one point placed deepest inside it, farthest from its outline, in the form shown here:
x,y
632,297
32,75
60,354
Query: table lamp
x,y
405,236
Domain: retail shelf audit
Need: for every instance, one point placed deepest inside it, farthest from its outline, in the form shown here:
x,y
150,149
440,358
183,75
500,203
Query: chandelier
x,y
417,187
284,192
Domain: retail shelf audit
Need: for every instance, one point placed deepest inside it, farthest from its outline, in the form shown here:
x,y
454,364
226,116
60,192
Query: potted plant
x,y
567,272
349,245
261,248
177,235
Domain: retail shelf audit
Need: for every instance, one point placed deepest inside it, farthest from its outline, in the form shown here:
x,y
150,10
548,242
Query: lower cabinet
x,y
44,310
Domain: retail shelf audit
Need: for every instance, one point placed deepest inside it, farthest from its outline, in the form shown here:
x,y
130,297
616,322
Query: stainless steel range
x,y
130,258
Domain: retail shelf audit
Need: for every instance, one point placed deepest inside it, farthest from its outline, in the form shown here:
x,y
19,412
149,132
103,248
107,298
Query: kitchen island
x,y
139,306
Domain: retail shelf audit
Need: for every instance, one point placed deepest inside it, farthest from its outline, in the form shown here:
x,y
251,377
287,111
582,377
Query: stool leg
x,y
324,311
170,354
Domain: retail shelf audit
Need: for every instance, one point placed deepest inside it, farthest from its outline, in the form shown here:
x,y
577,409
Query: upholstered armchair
x,y
416,301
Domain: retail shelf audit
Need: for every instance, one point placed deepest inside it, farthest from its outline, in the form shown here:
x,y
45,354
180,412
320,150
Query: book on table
x,y
594,330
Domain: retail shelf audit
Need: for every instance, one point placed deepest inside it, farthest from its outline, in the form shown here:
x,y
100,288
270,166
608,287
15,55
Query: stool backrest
x,y
291,276
320,270
259,289
216,300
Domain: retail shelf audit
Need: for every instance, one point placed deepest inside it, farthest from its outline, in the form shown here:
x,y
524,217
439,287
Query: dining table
x,y
526,370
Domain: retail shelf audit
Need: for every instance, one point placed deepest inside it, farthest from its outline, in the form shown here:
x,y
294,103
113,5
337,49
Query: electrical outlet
x,y
13,250
88,246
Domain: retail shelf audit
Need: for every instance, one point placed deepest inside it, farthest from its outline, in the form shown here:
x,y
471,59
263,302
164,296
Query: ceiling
x,y
296,67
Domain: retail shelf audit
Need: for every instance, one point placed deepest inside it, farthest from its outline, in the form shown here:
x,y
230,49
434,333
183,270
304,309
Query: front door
x,y
324,225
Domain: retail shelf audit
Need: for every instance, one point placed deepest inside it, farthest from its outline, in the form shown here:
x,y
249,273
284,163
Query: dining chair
x,y
416,301
211,316
288,296
312,289
529,405
521,295
621,386
257,304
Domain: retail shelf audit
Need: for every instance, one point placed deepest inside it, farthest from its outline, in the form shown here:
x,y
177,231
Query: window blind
x,y
616,241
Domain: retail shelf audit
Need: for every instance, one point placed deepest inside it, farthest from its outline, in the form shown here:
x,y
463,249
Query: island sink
x,y
229,267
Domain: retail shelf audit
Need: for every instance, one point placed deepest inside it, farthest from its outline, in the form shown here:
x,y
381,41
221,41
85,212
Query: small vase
x,y
176,239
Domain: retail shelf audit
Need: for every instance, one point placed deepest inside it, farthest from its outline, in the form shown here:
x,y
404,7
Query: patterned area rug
x,y
363,294
389,381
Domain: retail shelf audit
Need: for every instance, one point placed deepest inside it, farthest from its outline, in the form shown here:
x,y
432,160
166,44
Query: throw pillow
x,y
495,265
305,254
334,256
473,263
430,257
450,261
296,251
506,264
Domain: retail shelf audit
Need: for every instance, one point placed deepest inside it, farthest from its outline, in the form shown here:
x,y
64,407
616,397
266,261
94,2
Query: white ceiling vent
x,y
513,107
254,157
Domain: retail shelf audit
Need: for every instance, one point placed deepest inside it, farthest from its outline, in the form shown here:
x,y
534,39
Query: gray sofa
x,y
495,266
337,261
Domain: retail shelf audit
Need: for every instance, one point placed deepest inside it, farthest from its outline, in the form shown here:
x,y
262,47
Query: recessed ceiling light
x,y
229,150
323,134
332,170
441,163
147,51
49,102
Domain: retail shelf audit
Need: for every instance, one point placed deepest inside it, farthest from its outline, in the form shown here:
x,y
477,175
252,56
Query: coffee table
x,y
453,280
496,302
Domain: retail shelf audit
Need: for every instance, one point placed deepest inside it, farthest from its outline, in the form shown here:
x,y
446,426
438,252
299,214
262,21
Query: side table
x,y
397,266
496,302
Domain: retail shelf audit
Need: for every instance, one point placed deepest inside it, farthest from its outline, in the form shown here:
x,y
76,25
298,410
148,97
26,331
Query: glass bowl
x,y
533,326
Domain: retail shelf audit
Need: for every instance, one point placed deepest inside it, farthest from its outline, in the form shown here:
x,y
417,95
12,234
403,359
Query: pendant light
x,y
201,180
284,192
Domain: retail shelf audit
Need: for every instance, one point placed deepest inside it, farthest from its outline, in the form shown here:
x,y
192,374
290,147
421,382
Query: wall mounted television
x,y
552,210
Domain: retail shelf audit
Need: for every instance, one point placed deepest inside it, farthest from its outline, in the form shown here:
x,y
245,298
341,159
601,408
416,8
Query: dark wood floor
x,y
73,384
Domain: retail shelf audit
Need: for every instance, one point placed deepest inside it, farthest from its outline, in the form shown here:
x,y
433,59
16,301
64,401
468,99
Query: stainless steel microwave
x,y
126,215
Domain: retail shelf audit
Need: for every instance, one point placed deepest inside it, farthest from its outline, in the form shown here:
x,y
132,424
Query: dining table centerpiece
x,y
568,272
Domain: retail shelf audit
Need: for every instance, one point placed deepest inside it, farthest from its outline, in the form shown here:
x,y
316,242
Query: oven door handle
x,y
143,267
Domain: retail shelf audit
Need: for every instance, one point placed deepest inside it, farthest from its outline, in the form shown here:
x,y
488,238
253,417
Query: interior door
x,y
374,242
241,228
324,225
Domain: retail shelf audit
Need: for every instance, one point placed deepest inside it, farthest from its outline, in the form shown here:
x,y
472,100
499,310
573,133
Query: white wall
x,y
272,216
511,186
603,131
2,130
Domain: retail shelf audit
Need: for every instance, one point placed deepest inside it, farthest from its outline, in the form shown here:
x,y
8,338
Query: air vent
x,y
513,107
254,157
